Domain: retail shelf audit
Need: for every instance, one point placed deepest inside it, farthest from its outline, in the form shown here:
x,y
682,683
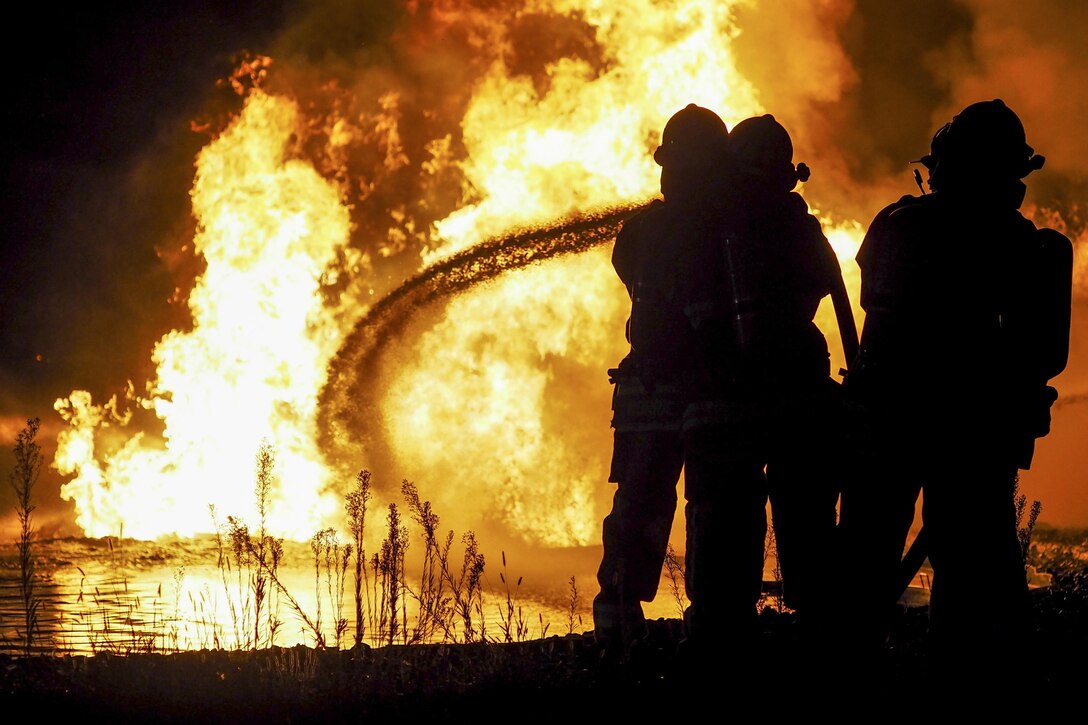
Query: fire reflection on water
x,y
128,596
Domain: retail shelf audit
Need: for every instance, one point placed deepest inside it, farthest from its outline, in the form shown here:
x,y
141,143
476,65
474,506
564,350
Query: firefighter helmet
x,y
694,136
760,147
984,140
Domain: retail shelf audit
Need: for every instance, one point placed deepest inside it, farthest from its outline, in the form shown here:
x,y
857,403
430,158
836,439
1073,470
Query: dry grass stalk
x,y
28,465
356,504
572,606
512,623
435,605
1024,530
674,568
388,566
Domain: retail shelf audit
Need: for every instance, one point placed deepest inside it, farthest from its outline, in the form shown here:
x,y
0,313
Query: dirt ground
x,y
569,677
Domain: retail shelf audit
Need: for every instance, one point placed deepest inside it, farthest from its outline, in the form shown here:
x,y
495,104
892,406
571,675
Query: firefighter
x,y
647,398
967,319
758,423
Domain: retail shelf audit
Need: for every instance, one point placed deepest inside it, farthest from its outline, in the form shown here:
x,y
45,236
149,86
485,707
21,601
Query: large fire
x,y
497,404
251,367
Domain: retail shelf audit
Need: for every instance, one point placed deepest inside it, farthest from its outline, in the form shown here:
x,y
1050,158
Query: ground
x,y
569,677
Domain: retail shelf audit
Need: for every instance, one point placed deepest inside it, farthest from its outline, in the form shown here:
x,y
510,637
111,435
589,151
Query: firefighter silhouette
x,y
648,396
759,424
967,319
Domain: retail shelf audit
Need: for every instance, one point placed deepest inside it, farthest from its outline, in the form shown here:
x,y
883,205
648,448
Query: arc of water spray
x,y
348,416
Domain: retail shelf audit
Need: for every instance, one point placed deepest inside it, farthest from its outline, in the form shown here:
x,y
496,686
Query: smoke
x,y
391,85
1033,55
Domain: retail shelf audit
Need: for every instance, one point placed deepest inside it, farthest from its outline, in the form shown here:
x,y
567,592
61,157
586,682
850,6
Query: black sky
x,y
95,92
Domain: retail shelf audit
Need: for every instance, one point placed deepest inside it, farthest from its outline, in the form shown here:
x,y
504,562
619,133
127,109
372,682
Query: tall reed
x,y
572,606
28,465
1025,529
674,567
511,620
444,597
224,567
389,571
332,559
434,603
777,598
266,463
468,592
356,504
270,567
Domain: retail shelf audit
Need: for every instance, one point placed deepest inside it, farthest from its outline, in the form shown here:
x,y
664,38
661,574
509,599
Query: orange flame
x,y
251,367
584,141
505,396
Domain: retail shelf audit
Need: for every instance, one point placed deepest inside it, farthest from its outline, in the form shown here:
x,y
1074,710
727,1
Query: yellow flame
x,y
486,407
483,398
501,409
251,367
584,142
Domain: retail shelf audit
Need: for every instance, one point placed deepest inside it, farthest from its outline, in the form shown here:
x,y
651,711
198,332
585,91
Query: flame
x,y
251,367
501,407
486,401
484,382
582,143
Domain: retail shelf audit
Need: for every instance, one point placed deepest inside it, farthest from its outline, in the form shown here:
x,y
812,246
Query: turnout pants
x,y
737,460
646,463
979,603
